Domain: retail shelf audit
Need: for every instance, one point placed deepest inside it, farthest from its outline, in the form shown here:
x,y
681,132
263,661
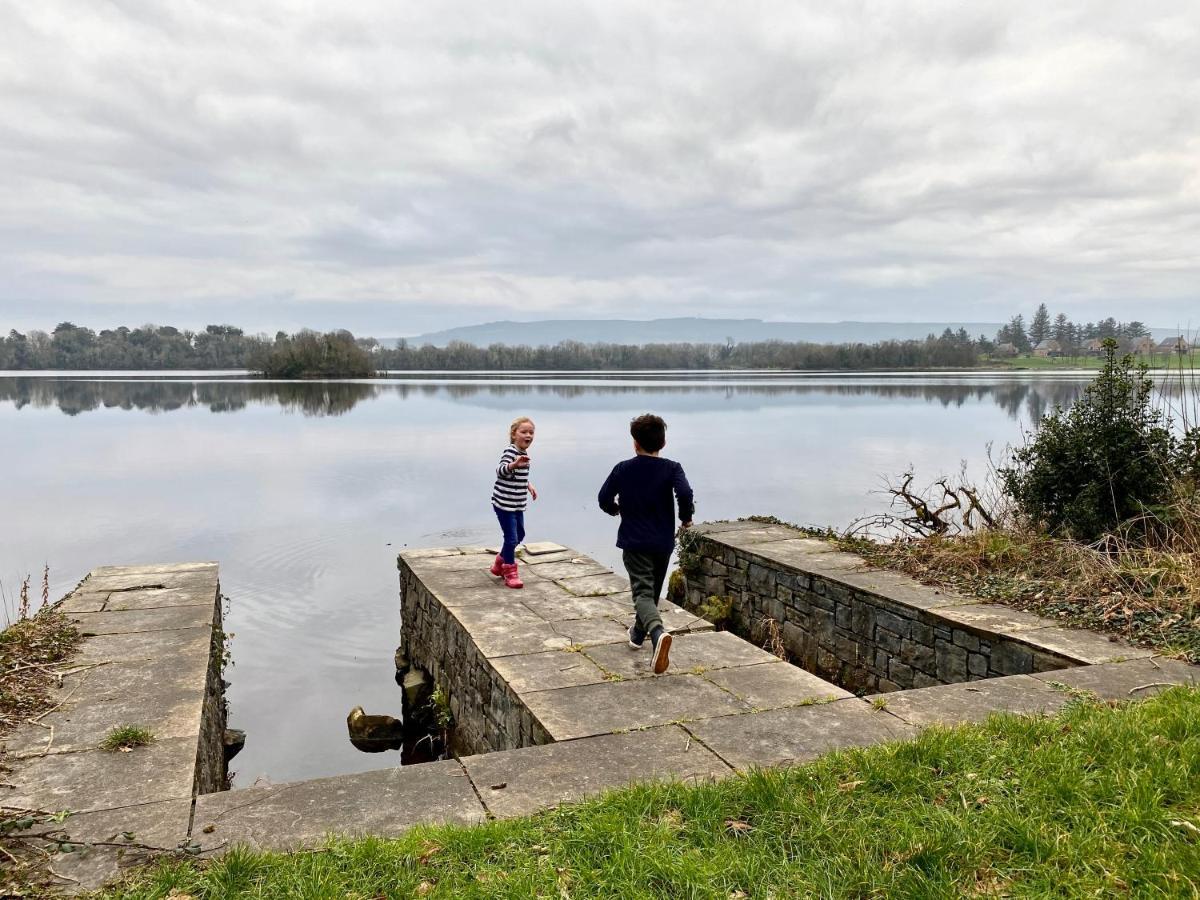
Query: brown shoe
x,y
662,652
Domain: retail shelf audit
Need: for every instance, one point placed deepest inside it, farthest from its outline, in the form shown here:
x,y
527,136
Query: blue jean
x,y
512,523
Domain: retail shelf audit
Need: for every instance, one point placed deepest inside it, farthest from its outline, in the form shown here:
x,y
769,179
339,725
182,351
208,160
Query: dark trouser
x,y
647,572
513,525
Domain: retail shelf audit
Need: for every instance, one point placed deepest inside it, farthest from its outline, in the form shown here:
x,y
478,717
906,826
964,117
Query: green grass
x,y
126,737
1100,801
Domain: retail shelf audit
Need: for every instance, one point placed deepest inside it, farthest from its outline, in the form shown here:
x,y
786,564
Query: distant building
x,y
1048,348
1006,349
1095,346
1174,345
1143,346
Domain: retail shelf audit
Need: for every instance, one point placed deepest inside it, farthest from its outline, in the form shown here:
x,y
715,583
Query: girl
x,y
508,498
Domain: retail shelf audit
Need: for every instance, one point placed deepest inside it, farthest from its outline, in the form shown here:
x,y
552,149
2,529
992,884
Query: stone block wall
x,y
833,624
211,767
487,713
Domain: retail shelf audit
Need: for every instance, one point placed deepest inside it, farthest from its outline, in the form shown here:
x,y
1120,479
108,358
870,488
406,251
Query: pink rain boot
x,y
497,568
511,578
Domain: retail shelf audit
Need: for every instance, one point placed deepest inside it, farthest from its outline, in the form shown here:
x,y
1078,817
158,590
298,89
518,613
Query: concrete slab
x,y
798,734
158,597
595,585
447,582
723,526
486,617
800,556
675,619
522,782
385,802
423,553
458,562
547,671
166,696
196,580
771,686
974,701
624,705
1084,646
98,779
577,567
993,618
1132,680
166,618
161,825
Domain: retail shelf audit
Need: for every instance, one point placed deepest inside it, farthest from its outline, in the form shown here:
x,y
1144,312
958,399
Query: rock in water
x,y
374,733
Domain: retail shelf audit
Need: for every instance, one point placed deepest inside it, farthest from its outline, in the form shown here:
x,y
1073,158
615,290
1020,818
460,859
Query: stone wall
x,y
211,765
864,630
487,713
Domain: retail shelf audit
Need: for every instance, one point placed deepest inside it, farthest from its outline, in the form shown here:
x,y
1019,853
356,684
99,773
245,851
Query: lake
x,y
306,491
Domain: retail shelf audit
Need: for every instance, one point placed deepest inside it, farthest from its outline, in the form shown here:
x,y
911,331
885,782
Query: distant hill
x,y
689,330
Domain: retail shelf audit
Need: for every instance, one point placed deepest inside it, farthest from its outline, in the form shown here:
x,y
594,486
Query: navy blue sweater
x,y
644,486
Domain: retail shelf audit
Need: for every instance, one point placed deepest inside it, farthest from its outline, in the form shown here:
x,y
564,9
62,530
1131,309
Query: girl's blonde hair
x,y
517,423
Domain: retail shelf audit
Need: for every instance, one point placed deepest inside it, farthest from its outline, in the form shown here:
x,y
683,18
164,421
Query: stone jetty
x,y
550,705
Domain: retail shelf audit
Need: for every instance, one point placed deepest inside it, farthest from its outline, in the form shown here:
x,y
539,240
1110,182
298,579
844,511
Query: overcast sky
x,y
400,167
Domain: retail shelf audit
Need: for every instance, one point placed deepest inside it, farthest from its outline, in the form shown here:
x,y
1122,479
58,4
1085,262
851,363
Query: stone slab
x,y
771,686
625,705
1083,646
81,602
509,641
576,567
993,618
595,585
154,598
522,782
1131,680
485,618
675,619
798,734
161,825
974,701
592,632
385,802
98,779
724,526
165,695
541,548
177,642
542,559
547,671
198,580
204,568
750,537
902,590
690,653
166,618
422,553
561,609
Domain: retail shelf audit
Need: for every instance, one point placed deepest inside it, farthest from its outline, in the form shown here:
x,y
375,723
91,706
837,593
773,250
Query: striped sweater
x,y
511,491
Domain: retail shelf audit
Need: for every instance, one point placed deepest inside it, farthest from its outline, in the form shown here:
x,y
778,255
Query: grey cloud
x,y
454,162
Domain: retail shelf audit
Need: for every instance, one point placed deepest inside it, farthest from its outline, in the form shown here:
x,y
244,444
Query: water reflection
x,y
1018,397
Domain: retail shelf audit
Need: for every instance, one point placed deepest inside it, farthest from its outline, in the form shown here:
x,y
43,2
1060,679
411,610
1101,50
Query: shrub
x,y
1108,458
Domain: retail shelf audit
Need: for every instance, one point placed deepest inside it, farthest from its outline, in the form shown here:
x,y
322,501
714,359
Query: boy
x,y
639,491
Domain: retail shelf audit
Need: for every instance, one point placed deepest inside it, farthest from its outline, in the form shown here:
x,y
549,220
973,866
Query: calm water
x,y
305,492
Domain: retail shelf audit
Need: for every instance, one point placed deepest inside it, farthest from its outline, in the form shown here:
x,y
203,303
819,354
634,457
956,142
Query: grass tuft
x,y
126,737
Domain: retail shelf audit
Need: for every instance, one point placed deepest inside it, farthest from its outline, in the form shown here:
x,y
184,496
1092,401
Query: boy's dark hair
x,y
650,432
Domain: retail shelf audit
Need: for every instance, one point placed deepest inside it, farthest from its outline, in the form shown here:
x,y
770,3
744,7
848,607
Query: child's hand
x,y
532,492
520,462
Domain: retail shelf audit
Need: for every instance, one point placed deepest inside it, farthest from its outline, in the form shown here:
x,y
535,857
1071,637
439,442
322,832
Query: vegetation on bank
x,y
1071,806
1096,521
33,651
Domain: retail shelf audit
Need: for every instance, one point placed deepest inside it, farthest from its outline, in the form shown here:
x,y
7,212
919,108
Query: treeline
x,y
950,349
1071,337
340,353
